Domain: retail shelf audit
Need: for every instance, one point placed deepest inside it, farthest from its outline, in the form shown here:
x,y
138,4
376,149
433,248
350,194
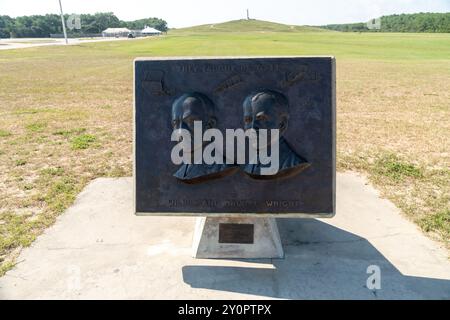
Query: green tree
x,y
156,23
416,22
44,25
6,26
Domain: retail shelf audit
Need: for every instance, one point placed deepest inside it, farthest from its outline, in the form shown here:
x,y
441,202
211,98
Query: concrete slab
x,y
98,249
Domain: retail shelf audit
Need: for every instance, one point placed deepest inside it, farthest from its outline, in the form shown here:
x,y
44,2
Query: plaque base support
x,y
244,238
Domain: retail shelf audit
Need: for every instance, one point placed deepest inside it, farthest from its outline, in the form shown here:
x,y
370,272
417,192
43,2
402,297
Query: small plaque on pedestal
x,y
237,238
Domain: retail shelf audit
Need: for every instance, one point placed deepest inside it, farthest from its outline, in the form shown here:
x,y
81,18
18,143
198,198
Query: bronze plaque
x,y
236,233
294,95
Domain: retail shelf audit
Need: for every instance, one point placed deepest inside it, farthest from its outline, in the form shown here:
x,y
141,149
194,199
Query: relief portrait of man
x,y
187,109
269,109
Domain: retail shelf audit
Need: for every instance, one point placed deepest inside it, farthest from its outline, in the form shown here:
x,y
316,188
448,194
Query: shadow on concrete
x,y
321,262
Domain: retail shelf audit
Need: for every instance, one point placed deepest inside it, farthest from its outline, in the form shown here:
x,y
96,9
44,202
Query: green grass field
x,y
66,116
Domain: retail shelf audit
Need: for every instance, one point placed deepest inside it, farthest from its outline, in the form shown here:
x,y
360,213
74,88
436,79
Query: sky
x,y
183,13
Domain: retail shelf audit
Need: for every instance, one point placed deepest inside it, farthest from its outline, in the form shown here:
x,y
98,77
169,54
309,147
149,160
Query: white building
x,y
116,32
148,31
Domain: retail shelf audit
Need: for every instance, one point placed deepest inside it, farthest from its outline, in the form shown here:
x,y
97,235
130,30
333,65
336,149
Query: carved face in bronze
x,y
192,107
186,110
266,109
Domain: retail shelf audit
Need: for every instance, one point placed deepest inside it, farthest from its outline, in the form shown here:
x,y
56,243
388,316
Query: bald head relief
x,y
191,107
266,110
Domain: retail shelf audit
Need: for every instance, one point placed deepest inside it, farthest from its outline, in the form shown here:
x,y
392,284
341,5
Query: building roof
x,y
116,30
150,30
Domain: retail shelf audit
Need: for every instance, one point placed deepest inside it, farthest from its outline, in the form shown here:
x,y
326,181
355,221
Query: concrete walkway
x,y
99,249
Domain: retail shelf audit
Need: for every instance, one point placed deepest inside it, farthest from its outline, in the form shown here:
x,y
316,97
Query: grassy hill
x,y
247,26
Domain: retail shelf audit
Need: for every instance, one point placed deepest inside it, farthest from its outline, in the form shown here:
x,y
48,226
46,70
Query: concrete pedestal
x,y
237,238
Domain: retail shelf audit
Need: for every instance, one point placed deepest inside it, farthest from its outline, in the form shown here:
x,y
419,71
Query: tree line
x,y
416,22
41,26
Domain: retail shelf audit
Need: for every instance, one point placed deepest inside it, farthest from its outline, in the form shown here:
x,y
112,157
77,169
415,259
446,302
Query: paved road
x,y
99,249
20,43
